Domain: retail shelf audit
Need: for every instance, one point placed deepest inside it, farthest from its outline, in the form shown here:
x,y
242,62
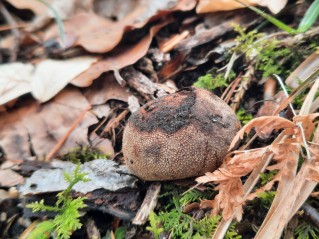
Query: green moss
x,y
269,55
177,224
243,116
82,155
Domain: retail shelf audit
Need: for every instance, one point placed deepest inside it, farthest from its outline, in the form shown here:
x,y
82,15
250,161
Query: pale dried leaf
x,y
15,80
279,215
36,6
314,173
51,76
231,193
133,103
306,105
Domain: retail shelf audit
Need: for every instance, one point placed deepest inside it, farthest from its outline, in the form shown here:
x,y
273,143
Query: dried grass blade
x,y
293,190
306,106
280,214
297,91
307,187
304,70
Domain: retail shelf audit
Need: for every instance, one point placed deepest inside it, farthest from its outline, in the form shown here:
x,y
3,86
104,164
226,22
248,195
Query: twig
x,y
244,84
148,204
10,27
114,122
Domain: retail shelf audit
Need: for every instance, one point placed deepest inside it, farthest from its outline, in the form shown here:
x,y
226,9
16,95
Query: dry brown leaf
x,y
117,59
63,8
40,127
308,124
95,33
292,191
9,178
100,35
285,150
267,123
275,6
230,195
106,88
44,14
270,106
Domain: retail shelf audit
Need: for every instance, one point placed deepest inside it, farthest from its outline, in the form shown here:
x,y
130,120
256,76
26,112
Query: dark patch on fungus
x,y
168,115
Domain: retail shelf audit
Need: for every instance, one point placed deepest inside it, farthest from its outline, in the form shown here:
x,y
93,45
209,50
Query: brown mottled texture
x,y
180,135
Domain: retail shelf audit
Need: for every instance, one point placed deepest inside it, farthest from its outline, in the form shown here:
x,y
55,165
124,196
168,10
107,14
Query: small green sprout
x,y
67,219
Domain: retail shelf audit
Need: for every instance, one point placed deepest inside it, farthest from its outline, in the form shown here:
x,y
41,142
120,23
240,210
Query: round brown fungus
x,y
181,135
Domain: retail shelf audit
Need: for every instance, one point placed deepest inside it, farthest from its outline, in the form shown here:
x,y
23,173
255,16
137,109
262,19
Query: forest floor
x,y
73,72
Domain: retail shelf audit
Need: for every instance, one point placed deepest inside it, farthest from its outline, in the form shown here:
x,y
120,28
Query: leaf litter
x,y
118,57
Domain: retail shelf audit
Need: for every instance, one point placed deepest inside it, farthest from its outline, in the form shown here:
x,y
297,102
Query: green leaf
x,y
271,19
120,233
40,206
67,222
310,17
42,230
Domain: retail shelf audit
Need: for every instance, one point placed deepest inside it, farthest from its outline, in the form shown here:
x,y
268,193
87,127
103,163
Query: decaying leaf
x,y
103,173
275,6
118,58
230,197
9,178
262,123
106,88
44,14
34,129
98,34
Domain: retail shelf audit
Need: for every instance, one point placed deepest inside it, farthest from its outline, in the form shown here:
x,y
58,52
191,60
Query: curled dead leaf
x,y
117,59
98,34
262,123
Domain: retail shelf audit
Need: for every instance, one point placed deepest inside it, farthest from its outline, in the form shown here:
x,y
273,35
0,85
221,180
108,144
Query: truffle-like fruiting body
x,y
180,135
